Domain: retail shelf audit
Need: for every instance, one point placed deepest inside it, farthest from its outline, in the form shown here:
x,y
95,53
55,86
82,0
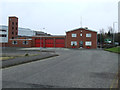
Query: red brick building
x,y
81,37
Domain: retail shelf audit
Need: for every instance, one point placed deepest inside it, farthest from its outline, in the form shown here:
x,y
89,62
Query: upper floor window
x,y
14,42
74,35
16,23
25,42
12,23
88,35
12,32
12,27
16,28
3,35
81,34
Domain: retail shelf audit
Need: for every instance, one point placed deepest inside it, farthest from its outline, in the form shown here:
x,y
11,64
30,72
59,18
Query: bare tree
x,y
110,30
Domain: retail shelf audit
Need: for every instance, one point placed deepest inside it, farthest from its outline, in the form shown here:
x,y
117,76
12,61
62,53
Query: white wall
x,y
25,32
21,32
4,39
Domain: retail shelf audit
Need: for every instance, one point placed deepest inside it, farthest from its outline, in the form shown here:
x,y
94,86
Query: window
x,y
74,35
16,28
3,35
14,42
12,23
88,35
16,23
73,43
12,32
88,43
16,33
12,27
2,30
81,34
25,42
12,37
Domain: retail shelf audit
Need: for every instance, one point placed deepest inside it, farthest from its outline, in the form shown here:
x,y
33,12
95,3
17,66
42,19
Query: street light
x,y
40,40
113,31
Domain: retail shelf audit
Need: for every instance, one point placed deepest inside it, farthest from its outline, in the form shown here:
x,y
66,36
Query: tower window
x,y
12,32
12,27
16,28
12,23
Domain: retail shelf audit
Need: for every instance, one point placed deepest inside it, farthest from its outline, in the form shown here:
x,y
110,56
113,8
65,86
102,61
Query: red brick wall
x,y
93,38
20,43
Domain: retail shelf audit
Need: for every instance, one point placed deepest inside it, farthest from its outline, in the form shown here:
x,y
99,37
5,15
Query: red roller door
x,y
39,43
49,42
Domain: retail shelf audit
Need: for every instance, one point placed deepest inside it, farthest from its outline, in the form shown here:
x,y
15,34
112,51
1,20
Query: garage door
x,y
39,43
59,42
49,42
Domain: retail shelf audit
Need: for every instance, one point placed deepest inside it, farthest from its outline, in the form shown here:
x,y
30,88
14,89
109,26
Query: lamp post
x,y
113,31
40,39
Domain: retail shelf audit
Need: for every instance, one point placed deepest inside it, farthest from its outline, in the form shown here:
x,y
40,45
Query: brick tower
x,y
13,27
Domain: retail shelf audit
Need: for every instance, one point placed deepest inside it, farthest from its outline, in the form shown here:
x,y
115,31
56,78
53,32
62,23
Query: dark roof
x,y
82,29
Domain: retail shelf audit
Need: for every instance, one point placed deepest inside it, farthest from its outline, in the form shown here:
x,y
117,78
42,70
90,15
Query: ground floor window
x,y
73,43
14,42
25,42
88,43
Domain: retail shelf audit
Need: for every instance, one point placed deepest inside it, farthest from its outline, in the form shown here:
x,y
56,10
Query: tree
x,y
110,32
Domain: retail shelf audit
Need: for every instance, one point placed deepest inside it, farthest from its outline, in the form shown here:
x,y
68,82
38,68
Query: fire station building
x,y
81,38
77,38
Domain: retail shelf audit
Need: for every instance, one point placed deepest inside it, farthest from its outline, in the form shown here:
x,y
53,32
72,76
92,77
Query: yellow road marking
x,y
115,81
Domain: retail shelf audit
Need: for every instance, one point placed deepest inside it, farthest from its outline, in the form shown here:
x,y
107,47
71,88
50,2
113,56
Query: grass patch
x,y
114,49
6,58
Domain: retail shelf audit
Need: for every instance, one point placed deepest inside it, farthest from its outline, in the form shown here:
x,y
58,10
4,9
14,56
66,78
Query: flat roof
x,y
52,36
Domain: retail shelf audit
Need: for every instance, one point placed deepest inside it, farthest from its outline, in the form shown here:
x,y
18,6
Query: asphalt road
x,y
72,69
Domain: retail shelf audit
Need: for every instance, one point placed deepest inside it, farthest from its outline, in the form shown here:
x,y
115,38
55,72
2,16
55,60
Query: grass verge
x,y
24,62
6,58
114,49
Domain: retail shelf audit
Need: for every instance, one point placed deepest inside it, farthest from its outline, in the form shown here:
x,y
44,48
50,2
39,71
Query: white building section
x,y
3,34
25,32
21,32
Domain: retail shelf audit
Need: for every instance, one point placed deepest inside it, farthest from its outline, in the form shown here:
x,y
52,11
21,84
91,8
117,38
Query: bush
x,y
26,54
108,46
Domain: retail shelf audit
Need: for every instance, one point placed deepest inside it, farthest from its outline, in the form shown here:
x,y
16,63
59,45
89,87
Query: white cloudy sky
x,y
58,16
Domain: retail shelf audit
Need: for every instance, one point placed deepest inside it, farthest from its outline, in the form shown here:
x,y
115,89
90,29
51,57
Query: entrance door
x,y
81,44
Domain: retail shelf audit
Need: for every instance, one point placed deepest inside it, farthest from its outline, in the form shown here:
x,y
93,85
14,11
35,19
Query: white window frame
x,y
88,35
81,34
25,43
88,43
14,42
74,42
74,35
